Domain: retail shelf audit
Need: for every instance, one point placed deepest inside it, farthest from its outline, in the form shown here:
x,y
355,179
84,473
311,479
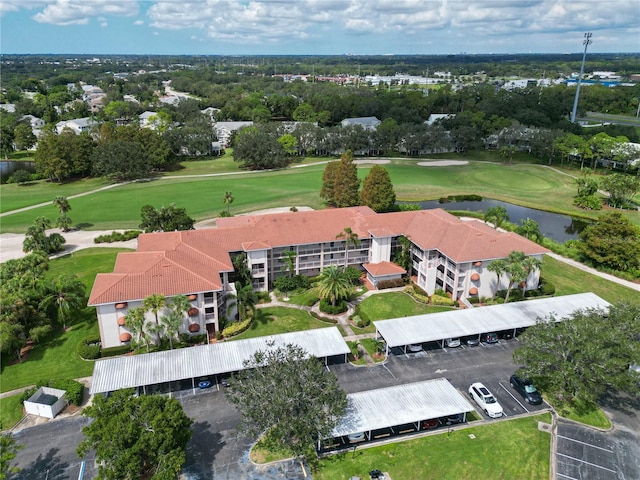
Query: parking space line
x,y
588,463
390,372
566,476
585,443
511,395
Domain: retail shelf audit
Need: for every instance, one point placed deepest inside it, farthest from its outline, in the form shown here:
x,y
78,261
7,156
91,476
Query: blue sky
x,y
317,27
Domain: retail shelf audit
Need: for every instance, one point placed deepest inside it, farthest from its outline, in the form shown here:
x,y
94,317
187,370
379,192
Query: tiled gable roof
x,y
174,263
383,268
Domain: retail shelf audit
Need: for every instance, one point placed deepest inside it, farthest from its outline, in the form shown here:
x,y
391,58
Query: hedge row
x,y
441,300
384,284
89,348
322,318
115,351
117,236
236,328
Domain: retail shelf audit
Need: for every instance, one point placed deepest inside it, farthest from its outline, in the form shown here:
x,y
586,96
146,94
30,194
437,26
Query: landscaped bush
x,y
361,322
117,236
363,315
89,348
353,346
236,328
546,287
290,284
418,294
115,351
473,300
263,297
384,284
197,339
326,307
323,318
353,274
442,300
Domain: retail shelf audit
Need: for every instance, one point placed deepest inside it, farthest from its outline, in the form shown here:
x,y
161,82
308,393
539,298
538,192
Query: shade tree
x,y
377,190
135,437
289,398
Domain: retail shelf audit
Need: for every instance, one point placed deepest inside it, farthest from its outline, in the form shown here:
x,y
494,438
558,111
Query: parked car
x,y
452,419
204,383
356,437
485,400
415,347
525,388
452,342
429,424
491,337
472,341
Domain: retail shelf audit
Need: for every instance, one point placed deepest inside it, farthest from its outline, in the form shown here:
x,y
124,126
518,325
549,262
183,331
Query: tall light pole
x,y
586,42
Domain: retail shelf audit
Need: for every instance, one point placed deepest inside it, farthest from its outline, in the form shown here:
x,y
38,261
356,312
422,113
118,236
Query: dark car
x,y
452,419
525,388
490,337
472,341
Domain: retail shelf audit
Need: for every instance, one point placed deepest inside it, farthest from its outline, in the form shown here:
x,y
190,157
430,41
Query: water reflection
x,y
552,225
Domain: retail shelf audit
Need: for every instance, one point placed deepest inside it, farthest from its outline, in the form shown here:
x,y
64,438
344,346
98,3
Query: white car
x,y
452,342
485,400
415,347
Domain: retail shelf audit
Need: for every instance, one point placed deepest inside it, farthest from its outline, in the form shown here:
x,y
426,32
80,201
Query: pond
x,y
552,225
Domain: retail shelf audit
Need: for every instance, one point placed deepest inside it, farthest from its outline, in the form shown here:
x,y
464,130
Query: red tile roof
x,y
384,268
174,263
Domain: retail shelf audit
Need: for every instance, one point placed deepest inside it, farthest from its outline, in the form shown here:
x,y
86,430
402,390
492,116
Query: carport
x,y
187,364
399,332
402,405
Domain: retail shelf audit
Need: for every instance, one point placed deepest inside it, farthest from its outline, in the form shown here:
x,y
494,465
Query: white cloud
x,y
79,12
479,24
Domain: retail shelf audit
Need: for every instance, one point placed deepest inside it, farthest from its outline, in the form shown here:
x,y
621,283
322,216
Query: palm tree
x,y
66,293
63,221
350,238
154,303
247,299
333,284
516,270
135,322
228,200
497,216
289,257
529,264
530,229
499,267
171,323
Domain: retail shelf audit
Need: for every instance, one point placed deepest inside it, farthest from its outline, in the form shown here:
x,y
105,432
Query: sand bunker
x,y
443,163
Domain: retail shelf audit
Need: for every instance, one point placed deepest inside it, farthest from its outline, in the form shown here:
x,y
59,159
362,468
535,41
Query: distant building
x,y
77,125
225,129
368,123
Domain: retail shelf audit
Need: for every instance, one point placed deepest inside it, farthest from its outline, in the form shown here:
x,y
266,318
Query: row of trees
x,y
33,303
341,186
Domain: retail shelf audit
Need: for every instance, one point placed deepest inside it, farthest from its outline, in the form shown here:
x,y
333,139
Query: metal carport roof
x,y
402,404
474,321
224,357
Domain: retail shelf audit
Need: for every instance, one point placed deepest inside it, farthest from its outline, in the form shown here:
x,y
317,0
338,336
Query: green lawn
x,y
275,320
57,357
395,304
10,411
569,280
525,184
513,449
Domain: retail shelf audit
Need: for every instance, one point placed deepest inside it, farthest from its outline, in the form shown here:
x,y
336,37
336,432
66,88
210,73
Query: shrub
x,y
588,202
362,323
409,207
326,307
366,320
546,287
236,328
323,319
89,348
440,292
384,284
20,176
441,300
353,274
285,283
115,351
197,339
473,300
353,346
117,236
